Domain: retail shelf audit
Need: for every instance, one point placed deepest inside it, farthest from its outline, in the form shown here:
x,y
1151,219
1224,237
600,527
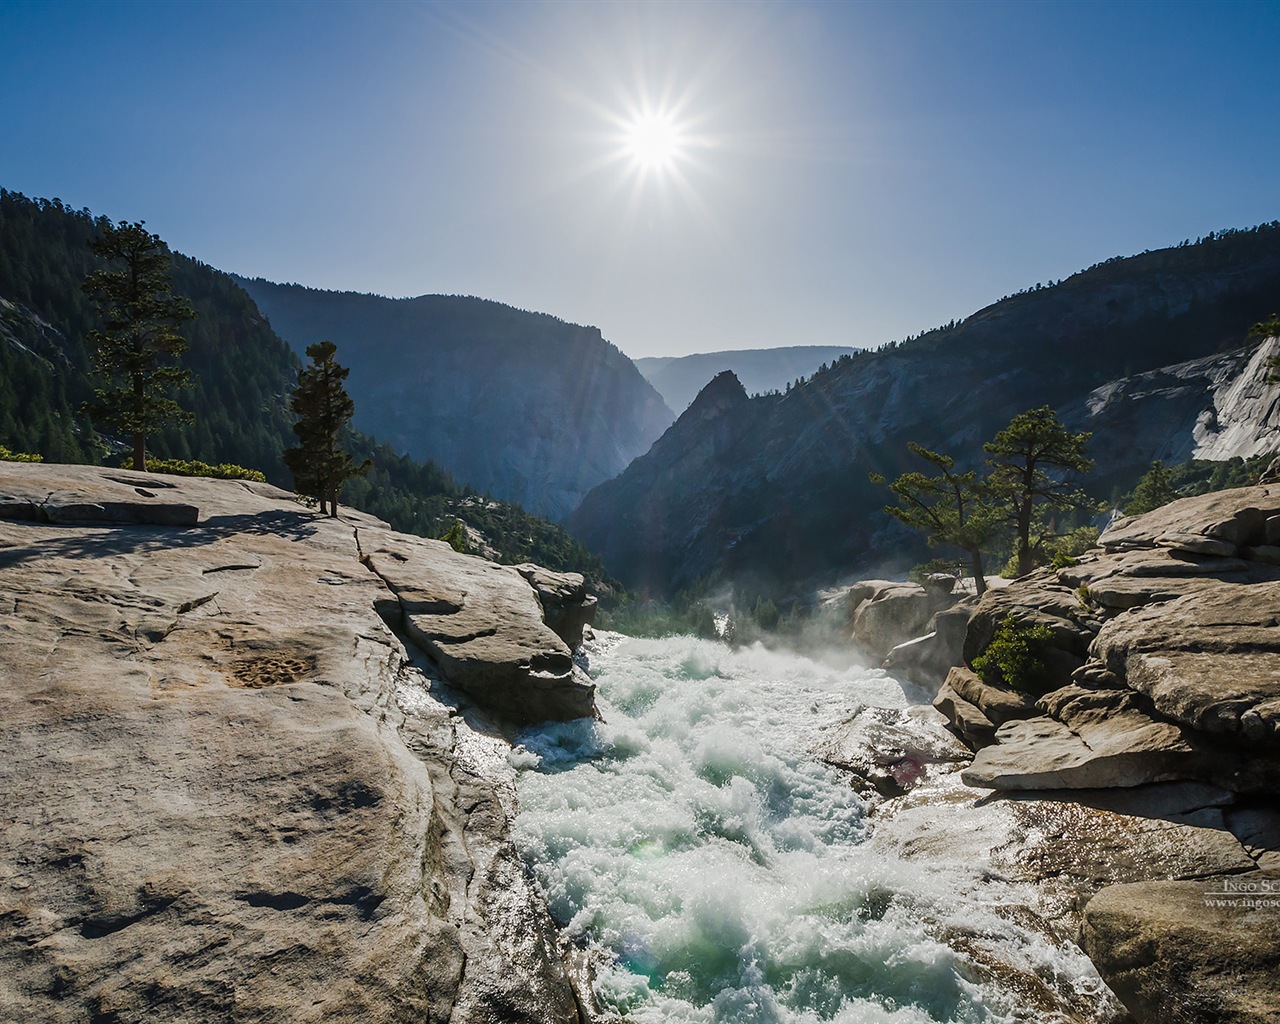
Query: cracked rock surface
x,y
1165,662
230,791
484,625
1143,770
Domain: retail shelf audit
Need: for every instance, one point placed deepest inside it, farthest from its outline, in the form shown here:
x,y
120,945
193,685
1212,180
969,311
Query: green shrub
x,y
8,456
456,538
1058,551
192,467
1014,658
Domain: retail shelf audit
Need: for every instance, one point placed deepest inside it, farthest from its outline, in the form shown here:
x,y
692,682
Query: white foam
x,y
693,836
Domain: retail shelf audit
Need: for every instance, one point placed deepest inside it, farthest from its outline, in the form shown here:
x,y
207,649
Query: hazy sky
x,y
843,173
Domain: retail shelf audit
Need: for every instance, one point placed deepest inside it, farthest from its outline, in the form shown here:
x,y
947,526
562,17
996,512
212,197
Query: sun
x,y
653,141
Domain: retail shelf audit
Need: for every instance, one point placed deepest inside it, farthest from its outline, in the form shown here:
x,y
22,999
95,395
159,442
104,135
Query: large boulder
x,y
965,717
1210,659
1190,952
886,613
924,660
1125,748
566,606
483,624
230,791
1237,516
998,703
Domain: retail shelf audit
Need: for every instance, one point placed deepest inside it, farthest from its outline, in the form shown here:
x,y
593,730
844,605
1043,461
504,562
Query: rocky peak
x,y
723,392
1219,407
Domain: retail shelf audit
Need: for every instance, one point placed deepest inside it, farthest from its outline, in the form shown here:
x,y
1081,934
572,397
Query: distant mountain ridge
x,y
679,378
775,488
523,405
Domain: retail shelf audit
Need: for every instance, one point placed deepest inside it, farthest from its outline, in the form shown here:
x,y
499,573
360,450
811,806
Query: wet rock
x,y
483,625
566,606
1073,844
891,749
965,717
1199,952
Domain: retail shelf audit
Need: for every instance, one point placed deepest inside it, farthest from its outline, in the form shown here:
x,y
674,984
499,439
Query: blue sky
x,y
845,173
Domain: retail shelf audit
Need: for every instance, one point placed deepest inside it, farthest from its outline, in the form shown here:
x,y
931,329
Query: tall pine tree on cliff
x,y
137,348
319,465
950,508
1033,462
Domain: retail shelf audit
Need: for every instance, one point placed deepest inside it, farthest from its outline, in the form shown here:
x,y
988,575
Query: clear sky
x,y
687,177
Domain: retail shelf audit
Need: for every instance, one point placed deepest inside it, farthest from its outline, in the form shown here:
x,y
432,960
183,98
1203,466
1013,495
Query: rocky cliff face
x,y
1165,662
233,791
787,495
521,405
1220,407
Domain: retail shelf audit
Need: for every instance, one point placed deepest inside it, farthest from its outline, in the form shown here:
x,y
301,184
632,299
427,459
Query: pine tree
x,y
950,508
139,339
319,465
1033,459
1154,489
1262,331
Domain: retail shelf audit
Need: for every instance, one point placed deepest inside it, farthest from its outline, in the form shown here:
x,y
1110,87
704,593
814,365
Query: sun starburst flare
x,y
654,142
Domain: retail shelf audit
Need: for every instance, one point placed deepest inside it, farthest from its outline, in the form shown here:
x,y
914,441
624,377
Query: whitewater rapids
x,y
722,873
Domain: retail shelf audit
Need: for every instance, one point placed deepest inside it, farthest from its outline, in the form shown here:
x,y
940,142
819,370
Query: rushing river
x,y
726,872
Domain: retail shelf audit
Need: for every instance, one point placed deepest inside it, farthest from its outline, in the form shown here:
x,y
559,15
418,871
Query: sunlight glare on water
x,y
723,867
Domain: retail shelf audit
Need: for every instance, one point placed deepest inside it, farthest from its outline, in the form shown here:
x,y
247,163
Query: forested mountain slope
x,y
776,488
523,405
244,374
